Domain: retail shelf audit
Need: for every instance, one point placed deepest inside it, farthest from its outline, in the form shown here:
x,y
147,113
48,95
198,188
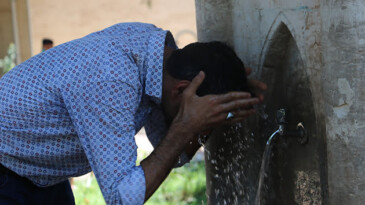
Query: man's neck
x,y
166,55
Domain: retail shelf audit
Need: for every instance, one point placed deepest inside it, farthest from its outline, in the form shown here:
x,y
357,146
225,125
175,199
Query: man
x,y
77,107
46,44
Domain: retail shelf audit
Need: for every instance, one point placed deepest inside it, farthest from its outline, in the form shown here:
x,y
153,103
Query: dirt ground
x,y
65,20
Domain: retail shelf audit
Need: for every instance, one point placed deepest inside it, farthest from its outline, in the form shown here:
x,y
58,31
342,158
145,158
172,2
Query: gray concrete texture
x,y
311,53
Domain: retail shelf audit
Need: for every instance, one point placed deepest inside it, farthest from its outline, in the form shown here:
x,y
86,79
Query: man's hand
x,y
200,114
196,115
256,86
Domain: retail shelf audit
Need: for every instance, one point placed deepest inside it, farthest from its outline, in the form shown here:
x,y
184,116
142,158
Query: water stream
x,y
264,166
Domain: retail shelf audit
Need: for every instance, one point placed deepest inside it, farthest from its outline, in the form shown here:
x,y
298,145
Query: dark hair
x,y
47,41
224,71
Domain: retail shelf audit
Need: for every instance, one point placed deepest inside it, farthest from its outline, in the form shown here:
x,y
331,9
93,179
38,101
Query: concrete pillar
x,y
14,28
23,28
311,54
213,17
6,25
343,42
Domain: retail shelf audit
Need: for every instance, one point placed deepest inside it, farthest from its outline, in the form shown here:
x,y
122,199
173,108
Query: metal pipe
x,y
272,136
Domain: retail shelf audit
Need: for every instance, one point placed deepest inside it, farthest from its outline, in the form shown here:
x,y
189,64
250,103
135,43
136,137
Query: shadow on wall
x,y
297,173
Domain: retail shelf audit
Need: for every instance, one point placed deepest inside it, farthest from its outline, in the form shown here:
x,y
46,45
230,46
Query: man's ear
x,y
180,86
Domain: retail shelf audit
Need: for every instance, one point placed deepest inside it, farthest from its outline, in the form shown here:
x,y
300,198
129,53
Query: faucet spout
x,y
272,136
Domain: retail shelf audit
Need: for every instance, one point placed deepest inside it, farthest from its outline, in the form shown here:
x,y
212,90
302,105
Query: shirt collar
x,y
154,58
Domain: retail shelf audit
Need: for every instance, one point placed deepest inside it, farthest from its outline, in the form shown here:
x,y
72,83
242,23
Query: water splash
x,y
229,167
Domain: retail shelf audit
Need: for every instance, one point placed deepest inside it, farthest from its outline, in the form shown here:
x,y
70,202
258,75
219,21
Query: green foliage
x,y
9,61
185,185
86,191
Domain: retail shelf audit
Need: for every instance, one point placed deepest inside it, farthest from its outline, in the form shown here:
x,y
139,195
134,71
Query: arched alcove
x,y
233,155
297,172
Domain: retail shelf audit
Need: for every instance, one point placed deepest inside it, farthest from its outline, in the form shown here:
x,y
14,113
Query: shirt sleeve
x,y
103,114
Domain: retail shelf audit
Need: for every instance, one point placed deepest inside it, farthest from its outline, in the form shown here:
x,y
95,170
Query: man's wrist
x,y
180,134
173,144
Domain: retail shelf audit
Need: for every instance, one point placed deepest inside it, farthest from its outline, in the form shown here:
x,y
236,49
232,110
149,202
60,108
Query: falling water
x,y
264,166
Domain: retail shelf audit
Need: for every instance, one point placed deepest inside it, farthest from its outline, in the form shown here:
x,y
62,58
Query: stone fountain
x,y
311,53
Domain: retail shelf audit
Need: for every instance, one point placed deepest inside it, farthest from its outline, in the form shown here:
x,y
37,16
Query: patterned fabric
x,y
76,108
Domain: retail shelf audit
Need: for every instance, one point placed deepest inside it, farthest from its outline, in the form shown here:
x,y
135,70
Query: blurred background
x,y
25,24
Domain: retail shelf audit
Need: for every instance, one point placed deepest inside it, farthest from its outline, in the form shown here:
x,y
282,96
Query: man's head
x,y
46,44
224,72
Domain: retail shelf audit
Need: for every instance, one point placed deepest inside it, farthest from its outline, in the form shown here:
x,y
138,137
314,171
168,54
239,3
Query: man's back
x,y
59,108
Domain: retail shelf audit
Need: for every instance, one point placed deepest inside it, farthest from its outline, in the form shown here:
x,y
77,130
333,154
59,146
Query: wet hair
x,y
47,41
224,71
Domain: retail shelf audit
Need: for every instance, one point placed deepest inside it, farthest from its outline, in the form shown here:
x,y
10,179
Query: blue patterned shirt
x,y
77,107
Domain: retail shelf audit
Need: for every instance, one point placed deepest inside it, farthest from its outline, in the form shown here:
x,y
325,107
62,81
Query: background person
x,y
46,44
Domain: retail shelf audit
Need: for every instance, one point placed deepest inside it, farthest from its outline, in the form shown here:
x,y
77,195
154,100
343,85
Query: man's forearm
x,y
160,162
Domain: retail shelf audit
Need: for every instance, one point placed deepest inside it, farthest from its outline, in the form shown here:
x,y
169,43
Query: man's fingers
x,y
238,104
257,85
233,96
195,83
